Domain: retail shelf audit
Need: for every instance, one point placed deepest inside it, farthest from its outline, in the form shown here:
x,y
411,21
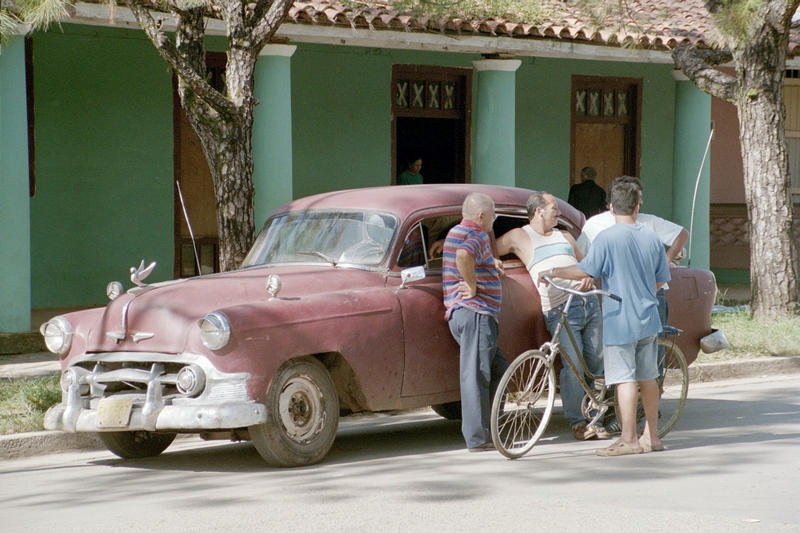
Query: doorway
x,y
431,121
605,127
197,188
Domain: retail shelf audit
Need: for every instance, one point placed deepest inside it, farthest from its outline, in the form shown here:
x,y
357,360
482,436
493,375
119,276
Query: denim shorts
x,y
635,361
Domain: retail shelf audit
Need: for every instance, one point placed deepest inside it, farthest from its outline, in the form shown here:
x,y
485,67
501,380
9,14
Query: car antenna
x,y
694,197
188,223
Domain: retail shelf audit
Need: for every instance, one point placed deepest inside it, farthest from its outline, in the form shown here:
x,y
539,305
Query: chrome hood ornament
x,y
138,275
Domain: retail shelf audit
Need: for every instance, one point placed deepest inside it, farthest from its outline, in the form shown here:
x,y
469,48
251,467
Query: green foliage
x,y
23,403
8,25
530,11
734,18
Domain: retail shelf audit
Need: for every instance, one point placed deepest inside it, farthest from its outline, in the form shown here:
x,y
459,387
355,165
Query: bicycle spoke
x,y
523,404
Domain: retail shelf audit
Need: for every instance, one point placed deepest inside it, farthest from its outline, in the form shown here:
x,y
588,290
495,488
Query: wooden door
x,y
605,127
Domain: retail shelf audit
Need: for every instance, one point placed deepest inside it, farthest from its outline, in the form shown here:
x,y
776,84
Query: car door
x,y
431,353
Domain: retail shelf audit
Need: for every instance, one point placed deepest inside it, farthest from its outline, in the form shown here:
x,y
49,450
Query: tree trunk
x,y
773,275
225,136
226,141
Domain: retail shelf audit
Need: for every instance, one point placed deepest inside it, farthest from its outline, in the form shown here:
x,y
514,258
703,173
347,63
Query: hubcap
x,y
300,407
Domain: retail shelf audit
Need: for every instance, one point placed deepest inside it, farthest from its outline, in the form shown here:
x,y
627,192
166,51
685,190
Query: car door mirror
x,y
408,275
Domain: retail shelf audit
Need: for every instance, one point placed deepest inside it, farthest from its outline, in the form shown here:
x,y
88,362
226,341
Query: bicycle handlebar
x,y
581,293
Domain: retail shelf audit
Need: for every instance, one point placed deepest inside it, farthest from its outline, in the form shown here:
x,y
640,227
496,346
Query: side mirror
x,y
411,274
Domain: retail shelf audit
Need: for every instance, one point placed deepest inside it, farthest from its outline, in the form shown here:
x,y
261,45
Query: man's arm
x,y
568,272
465,264
575,248
677,245
514,242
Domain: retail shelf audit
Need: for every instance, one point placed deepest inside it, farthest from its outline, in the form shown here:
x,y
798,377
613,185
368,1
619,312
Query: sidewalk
x,y
43,363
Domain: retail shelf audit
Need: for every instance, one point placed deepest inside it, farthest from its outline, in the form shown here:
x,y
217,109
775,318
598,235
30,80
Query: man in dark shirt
x,y
587,196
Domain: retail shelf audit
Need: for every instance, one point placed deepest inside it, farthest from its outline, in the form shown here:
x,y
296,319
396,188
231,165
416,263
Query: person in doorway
x,y
472,298
587,196
411,175
631,263
540,246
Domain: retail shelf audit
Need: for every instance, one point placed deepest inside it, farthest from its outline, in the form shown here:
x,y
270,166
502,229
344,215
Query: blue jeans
x,y
586,321
481,365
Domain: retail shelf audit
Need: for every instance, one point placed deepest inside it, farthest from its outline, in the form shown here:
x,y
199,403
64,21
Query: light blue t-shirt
x,y
630,260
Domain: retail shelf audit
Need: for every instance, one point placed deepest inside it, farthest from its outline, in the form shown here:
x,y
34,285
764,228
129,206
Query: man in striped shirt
x,y
472,298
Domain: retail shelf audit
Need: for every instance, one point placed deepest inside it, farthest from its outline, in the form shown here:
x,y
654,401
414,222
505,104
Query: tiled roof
x,y
654,24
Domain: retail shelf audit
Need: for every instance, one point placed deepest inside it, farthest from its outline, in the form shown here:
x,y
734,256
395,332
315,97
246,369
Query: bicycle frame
x,y
553,348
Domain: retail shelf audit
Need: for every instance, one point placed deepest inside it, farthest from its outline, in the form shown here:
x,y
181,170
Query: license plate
x,y
114,412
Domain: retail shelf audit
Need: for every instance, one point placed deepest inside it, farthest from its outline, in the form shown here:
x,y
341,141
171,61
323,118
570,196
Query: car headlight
x,y
215,332
57,335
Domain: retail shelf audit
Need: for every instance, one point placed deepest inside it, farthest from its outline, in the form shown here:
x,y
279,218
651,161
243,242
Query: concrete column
x,y
493,155
692,128
272,130
15,209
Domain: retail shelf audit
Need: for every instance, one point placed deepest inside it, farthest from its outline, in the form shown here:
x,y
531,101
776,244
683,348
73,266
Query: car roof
x,y
403,200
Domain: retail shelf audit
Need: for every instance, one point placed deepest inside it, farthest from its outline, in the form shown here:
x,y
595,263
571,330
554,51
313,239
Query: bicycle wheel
x,y
523,404
673,384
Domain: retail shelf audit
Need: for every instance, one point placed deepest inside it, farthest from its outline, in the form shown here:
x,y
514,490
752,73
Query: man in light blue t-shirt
x,y
631,262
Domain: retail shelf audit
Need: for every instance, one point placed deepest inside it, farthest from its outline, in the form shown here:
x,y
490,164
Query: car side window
x,y
413,251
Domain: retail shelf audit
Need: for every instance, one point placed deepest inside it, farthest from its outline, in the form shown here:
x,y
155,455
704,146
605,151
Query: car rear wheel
x,y
302,415
136,444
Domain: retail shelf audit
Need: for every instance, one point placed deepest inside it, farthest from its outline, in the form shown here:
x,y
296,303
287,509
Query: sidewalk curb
x,y
748,368
45,442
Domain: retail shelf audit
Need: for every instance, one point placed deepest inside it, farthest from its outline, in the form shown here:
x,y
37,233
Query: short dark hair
x,y
626,179
535,201
588,173
624,195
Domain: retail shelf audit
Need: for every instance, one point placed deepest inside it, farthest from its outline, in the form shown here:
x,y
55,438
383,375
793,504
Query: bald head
x,y
479,208
475,203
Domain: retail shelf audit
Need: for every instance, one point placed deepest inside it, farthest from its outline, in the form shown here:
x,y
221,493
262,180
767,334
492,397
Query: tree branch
x,y
697,64
170,53
267,24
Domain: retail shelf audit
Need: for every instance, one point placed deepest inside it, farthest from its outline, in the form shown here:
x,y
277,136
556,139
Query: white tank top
x,y
550,251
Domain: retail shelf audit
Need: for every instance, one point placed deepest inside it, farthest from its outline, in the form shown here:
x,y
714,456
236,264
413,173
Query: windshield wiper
x,y
318,254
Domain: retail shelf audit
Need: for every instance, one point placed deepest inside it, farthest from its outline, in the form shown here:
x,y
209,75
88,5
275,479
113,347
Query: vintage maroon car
x,y
336,309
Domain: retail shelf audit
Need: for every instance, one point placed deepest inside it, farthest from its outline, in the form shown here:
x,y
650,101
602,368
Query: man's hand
x,y
543,281
498,264
467,291
436,248
586,284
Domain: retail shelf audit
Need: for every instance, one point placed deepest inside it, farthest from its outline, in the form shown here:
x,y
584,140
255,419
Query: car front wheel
x,y
136,444
302,415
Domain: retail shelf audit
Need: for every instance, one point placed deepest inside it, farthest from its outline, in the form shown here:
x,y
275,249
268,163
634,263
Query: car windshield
x,y
355,237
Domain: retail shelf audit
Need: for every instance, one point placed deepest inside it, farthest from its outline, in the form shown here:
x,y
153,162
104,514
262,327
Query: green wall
x,y
341,118
104,165
341,114
543,125
15,279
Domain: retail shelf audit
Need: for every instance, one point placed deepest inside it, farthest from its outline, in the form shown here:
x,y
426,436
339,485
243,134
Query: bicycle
x,y
525,396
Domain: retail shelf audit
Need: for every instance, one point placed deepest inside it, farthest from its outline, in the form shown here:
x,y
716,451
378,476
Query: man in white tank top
x,y
540,246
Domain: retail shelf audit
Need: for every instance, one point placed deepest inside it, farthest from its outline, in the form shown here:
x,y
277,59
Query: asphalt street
x,y
731,465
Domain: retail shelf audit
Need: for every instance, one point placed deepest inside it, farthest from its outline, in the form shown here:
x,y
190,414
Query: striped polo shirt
x,y
469,236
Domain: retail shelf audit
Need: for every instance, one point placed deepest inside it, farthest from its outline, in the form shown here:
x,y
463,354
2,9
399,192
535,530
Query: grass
x,y
23,402
749,338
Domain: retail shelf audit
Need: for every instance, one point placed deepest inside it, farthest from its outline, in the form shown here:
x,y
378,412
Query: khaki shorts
x,y
635,361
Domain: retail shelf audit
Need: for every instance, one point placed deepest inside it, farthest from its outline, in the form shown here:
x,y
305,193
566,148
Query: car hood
x,y
159,318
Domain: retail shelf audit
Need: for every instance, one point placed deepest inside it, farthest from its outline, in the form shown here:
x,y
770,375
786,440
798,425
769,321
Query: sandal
x,y
618,448
647,448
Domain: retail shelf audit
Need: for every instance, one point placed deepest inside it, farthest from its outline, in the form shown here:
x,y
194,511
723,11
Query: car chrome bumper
x,y
178,418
